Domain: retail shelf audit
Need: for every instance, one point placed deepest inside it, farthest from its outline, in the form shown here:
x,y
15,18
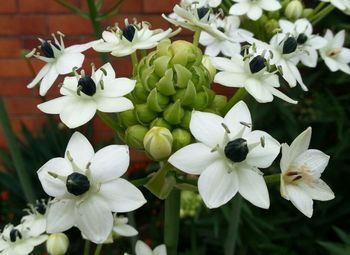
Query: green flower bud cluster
x,y
189,204
172,81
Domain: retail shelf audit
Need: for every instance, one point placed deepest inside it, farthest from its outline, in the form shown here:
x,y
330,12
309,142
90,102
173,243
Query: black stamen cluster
x,y
257,64
77,184
302,38
87,85
202,12
129,32
47,50
14,233
290,45
236,150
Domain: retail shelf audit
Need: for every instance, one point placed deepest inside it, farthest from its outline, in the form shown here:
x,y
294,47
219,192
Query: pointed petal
x,y
142,249
121,195
125,230
315,160
55,106
78,113
112,105
254,13
239,8
216,185
66,62
338,40
270,5
258,91
60,216
81,47
43,71
80,150
233,118
230,79
300,144
48,80
318,190
285,159
193,158
160,250
118,87
300,199
225,64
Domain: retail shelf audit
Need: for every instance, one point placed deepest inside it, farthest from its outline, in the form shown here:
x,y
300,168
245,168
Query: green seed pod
x,y
144,114
186,95
127,118
158,143
134,136
174,113
181,138
160,122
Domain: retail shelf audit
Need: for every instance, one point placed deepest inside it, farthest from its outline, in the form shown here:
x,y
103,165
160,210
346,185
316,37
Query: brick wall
x,y
23,21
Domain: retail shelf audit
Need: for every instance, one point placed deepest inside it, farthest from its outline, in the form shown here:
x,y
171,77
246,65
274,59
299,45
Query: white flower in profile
x,y
143,249
19,240
334,54
201,3
35,218
195,18
122,228
59,60
301,171
227,157
83,95
301,29
250,74
137,36
87,188
230,27
253,8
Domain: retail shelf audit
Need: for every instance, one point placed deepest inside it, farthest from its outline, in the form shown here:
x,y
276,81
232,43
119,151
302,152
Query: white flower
x,y
143,249
19,240
137,36
302,30
227,157
193,18
250,74
230,27
334,54
36,218
253,8
83,95
301,171
87,188
201,3
343,5
122,228
60,60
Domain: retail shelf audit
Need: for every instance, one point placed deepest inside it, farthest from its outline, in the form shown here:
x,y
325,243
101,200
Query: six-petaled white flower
x,y
253,8
87,188
143,249
59,59
83,95
250,74
201,3
227,157
301,171
136,36
334,54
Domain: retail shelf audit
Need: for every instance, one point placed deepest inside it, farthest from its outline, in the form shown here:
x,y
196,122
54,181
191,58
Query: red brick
x,y
22,105
14,68
10,48
22,25
8,6
44,6
15,87
128,6
156,6
69,25
9,25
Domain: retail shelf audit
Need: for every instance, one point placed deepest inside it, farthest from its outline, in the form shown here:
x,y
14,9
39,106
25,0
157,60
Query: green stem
x,y
232,233
96,25
171,221
87,247
316,10
109,121
322,14
141,181
196,36
98,249
273,178
17,158
134,60
240,93
72,8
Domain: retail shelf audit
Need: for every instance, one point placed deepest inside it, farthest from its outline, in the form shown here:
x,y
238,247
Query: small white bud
x,y
294,10
158,142
57,244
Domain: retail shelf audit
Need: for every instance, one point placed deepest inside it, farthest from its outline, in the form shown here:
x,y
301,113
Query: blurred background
x,y
280,230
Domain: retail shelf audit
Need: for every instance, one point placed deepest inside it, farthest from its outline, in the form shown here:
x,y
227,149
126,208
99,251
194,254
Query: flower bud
x,y
186,95
294,10
160,122
183,75
156,101
158,143
127,118
208,65
144,114
203,99
185,53
57,244
134,136
174,113
271,26
161,65
140,93
219,104
166,84
190,204
185,122
181,138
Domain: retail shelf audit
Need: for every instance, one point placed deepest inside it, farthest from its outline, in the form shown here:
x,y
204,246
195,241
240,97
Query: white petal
x,y
252,187
39,76
300,144
48,80
108,76
282,96
216,185
121,195
78,113
66,62
125,230
80,150
55,106
212,50
142,249
285,159
70,86
233,118
286,26
207,128
225,64
239,8
193,158
332,64
230,48
118,87
110,162
300,199
60,216
318,190
206,39
160,250
258,91
261,156
270,5
81,47
94,219
230,79
110,37
54,187
111,105
105,47
314,160
338,40
255,12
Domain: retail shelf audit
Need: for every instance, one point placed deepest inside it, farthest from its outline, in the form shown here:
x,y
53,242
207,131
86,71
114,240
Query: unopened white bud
x,y
158,142
294,10
57,244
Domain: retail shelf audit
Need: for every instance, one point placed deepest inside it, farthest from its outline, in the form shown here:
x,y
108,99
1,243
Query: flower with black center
x,y
301,171
227,157
136,36
87,188
36,217
253,8
83,95
59,60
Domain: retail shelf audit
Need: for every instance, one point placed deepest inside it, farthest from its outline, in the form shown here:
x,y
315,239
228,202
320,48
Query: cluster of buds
x,y
172,81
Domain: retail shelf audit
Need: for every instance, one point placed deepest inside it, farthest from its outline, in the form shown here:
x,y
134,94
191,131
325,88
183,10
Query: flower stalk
x,y
87,246
322,14
232,234
98,249
273,178
240,93
196,36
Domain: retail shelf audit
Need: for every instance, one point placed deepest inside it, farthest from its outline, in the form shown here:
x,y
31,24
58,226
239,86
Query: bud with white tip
x,y
294,10
57,244
158,143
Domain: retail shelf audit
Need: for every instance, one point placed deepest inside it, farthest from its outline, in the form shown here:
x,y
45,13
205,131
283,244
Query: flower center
x,y
333,53
293,175
302,38
14,233
87,85
129,32
289,46
47,50
257,64
202,12
221,29
77,184
40,208
236,150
